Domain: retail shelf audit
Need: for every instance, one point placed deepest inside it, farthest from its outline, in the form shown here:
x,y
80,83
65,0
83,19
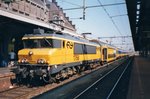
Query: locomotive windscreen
x,y
41,43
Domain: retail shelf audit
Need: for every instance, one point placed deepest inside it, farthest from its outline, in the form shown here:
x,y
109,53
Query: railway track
x,y
76,87
105,87
23,92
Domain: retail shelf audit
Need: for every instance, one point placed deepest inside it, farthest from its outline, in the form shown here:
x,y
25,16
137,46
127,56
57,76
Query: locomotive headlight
x,y
24,60
30,53
41,61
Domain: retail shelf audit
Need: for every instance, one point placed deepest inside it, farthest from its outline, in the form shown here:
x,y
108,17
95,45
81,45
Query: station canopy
x,y
139,17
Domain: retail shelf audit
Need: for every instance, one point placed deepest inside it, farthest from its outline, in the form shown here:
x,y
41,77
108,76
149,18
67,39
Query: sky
x,y
98,22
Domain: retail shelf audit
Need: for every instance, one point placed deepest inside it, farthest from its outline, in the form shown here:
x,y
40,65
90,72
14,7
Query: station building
x,y
20,17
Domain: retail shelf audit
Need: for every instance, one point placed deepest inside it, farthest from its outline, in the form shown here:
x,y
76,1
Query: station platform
x,y
5,71
139,84
5,78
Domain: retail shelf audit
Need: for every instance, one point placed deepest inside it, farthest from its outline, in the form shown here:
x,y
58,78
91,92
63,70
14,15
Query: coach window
x,y
91,49
78,48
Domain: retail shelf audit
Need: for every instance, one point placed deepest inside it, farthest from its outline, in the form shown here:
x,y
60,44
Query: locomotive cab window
x,y
45,43
42,43
56,43
29,43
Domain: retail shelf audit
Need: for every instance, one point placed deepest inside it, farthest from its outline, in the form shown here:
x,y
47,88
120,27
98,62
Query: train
x,y
55,55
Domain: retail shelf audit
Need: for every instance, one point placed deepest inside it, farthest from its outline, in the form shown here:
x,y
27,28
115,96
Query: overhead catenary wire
x,y
122,44
119,15
110,17
86,7
82,7
70,3
95,6
121,20
116,37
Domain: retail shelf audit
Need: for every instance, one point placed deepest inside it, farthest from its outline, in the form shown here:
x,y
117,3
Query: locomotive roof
x,y
103,43
63,36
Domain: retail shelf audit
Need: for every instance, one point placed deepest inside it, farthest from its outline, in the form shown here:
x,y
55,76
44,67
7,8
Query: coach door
x,y
104,54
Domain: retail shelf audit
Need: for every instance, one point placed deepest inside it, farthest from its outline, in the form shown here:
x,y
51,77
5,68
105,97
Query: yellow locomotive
x,y
51,56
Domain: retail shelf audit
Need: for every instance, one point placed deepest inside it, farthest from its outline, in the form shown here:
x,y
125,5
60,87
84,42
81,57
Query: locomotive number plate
x,y
76,57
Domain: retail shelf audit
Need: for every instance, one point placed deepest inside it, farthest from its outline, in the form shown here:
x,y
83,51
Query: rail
x,y
107,94
118,80
75,87
25,92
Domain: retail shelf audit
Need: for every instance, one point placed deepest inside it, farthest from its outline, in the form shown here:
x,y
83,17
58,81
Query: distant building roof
x,y
54,10
40,2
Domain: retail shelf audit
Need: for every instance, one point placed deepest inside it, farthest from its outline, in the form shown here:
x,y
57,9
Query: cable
x,y
94,6
119,15
115,37
70,3
122,21
109,17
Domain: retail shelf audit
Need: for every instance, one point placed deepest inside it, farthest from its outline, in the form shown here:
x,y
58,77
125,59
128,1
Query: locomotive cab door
x,y
105,54
85,58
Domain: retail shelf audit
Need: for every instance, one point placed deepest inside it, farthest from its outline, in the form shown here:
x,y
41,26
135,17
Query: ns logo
x,y
69,44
